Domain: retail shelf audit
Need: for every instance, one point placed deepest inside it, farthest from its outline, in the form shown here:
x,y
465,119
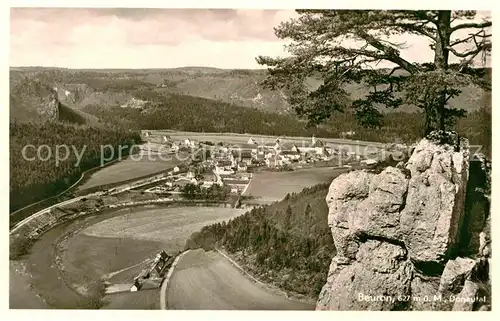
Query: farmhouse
x,y
242,156
275,160
291,155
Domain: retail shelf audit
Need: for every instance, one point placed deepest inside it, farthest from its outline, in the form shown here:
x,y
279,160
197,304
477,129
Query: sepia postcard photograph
x,y
322,159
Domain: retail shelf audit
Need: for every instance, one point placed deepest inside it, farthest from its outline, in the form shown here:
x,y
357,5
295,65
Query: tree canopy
x,y
341,47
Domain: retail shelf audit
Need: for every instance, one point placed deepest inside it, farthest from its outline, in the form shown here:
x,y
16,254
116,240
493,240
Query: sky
x,y
154,38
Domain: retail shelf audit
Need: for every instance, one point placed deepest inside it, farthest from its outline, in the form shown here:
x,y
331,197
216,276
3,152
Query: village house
x,y
167,139
316,146
242,156
274,161
190,143
242,166
290,155
253,148
223,167
271,146
251,141
175,147
289,147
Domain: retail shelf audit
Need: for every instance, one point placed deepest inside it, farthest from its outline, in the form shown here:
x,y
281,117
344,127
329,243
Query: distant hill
x,y
115,87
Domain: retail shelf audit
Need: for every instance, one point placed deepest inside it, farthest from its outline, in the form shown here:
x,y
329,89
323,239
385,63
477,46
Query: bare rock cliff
x,y
33,100
398,236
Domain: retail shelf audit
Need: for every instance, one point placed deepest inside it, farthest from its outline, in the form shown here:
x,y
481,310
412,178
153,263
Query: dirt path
x,y
208,281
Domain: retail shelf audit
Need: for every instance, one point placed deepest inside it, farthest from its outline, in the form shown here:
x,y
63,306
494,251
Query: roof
x,y
288,146
318,143
290,152
242,153
235,182
247,146
224,163
241,164
270,144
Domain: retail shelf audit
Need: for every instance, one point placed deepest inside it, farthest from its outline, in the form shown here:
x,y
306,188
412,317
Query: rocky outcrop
x,y
48,109
398,234
33,100
434,207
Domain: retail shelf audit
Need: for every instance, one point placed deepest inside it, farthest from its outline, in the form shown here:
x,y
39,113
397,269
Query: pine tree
x,y
341,47
288,216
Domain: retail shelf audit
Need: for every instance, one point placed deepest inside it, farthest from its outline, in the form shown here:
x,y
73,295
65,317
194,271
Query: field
x,y
107,243
273,186
129,168
208,281
171,225
243,138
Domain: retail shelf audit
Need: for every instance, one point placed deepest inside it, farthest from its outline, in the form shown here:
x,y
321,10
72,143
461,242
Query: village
x,y
233,165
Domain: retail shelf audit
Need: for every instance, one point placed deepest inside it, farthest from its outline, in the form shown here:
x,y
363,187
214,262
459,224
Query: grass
x,y
109,242
234,138
171,226
273,186
128,169
207,280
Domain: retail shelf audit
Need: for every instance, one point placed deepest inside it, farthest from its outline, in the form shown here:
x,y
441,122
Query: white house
x,y
175,147
275,161
242,166
190,143
290,154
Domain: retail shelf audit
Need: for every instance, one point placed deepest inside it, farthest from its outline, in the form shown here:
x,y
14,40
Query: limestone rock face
x,y
434,205
379,273
48,109
465,300
397,233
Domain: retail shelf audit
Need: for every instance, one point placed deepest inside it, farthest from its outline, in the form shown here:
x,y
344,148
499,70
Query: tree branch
x,y
471,25
391,54
480,47
413,27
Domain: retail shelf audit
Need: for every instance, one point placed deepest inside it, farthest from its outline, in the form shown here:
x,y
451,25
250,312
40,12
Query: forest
x,y
287,243
36,179
188,113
